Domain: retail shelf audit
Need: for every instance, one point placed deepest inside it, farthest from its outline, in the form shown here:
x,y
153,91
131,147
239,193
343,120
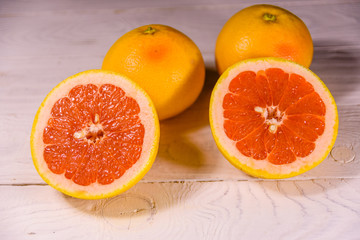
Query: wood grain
x,y
317,209
187,149
191,192
73,30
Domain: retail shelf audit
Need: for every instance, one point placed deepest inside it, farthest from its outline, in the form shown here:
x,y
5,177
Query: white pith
x,y
93,129
227,145
147,117
273,123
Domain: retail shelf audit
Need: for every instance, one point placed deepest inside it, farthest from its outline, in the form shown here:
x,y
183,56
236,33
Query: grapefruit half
x,y
272,118
95,135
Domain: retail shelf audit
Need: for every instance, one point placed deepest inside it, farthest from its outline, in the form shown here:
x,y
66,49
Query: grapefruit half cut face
x,y
272,118
95,135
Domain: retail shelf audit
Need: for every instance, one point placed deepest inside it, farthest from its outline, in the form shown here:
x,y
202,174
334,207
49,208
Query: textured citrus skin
x,y
164,62
38,158
263,31
266,173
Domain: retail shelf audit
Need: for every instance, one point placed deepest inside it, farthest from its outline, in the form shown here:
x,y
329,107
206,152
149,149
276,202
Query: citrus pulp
x,y
95,135
272,118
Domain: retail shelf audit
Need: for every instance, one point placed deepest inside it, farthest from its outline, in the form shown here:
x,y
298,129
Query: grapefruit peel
x,y
261,168
133,174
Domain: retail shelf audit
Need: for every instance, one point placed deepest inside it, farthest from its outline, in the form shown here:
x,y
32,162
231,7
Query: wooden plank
x,y
191,192
319,209
187,149
80,31
10,7
26,81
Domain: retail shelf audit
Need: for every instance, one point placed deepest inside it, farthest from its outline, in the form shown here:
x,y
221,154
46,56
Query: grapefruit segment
x,y
64,107
234,101
238,130
244,85
278,80
95,135
263,87
121,123
300,146
297,88
269,140
282,152
60,123
309,104
56,135
85,99
55,156
308,126
272,118
74,158
240,115
133,136
253,145
86,170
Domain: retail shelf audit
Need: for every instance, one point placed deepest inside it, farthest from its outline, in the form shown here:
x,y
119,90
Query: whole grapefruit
x,y
164,62
263,31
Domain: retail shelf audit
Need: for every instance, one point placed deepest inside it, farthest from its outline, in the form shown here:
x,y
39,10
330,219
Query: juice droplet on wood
x,y
343,154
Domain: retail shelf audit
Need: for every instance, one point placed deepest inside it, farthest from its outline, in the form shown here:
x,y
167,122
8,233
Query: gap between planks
x,y
202,181
124,7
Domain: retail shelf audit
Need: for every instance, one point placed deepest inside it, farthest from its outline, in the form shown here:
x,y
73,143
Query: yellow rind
x,y
242,37
173,89
263,173
134,180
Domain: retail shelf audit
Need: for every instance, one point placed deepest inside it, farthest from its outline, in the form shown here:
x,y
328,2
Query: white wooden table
x,y
191,192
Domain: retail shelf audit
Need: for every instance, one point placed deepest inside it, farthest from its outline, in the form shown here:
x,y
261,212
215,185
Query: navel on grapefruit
x,y
272,118
164,62
95,135
263,31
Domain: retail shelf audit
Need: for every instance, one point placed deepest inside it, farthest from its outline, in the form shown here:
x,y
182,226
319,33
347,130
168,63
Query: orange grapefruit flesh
x,y
85,141
253,125
84,157
272,113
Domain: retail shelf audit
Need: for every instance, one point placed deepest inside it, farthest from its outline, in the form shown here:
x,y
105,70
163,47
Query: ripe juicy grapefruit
x,y
95,135
272,118
164,62
263,31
